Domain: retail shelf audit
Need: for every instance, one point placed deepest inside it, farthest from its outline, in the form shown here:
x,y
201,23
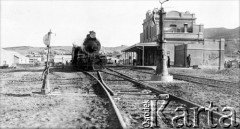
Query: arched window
x,y
173,27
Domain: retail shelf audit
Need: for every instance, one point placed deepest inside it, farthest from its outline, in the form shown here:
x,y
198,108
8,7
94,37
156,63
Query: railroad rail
x,y
126,94
117,112
206,81
201,80
133,90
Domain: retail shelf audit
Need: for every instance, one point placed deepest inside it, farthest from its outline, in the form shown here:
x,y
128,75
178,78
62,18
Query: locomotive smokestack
x,y
91,34
91,45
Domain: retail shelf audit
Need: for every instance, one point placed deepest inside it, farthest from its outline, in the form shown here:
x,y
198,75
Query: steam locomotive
x,y
88,56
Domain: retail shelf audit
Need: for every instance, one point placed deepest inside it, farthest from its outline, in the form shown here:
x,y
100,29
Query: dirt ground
x,y
77,105
198,93
229,74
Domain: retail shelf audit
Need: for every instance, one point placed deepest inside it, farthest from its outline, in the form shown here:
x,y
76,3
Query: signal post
x,y
45,77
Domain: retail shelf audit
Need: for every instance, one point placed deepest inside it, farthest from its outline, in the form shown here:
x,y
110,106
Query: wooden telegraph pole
x,y
161,70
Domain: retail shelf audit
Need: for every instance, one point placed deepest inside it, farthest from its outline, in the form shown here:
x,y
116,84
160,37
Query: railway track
x,y
129,95
122,124
201,80
102,112
206,81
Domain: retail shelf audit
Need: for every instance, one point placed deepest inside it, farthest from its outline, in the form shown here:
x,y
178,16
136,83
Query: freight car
x,y
88,56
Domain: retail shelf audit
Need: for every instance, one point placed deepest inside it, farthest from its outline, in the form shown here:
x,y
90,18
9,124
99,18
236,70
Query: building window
x,y
150,32
144,35
173,28
168,53
147,33
178,30
173,25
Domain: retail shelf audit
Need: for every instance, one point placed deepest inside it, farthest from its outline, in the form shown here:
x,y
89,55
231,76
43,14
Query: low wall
x,y
206,54
28,65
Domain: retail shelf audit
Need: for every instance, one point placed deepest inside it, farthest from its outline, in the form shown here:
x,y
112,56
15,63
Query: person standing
x,y
134,62
188,60
168,62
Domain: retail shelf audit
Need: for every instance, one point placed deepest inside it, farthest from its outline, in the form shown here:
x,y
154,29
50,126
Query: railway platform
x,y
148,67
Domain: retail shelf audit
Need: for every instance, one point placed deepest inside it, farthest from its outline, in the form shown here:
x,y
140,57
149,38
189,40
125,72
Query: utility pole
x,y
161,70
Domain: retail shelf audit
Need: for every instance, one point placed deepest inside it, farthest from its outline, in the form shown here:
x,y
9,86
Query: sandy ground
x,y
230,74
77,105
198,93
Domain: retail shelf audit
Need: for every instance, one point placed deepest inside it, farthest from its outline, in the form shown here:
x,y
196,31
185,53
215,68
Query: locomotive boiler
x,y
88,56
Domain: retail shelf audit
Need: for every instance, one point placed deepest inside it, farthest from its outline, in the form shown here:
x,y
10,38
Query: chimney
x,y
185,27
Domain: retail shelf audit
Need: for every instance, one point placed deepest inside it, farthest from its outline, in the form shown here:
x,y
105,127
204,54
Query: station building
x,y
182,35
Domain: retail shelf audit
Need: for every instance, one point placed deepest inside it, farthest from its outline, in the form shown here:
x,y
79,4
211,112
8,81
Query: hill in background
x,y
231,36
25,50
217,33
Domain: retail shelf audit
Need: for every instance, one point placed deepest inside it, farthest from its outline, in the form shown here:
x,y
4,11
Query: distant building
x,y
113,60
12,58
35,58
62,58
179,28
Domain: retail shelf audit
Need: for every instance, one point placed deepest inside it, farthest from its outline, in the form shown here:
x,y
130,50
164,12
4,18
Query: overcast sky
x,y
24,23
